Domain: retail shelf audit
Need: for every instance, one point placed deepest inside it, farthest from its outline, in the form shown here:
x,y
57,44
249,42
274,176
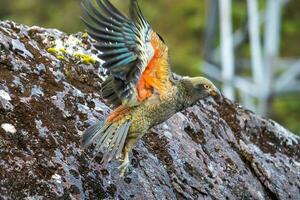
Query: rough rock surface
x,y
49,94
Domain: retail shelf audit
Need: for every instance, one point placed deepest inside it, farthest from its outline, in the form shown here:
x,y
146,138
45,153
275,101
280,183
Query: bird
x,y
139,86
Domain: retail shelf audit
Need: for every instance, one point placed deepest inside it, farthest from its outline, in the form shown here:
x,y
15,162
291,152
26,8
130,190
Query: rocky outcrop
x,y
49,94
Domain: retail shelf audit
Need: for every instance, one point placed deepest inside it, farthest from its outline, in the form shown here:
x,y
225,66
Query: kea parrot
x,y
139,85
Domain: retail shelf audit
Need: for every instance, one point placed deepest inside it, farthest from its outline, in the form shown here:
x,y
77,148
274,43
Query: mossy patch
x,y
58,53
86,59
85,35
63,54
52,51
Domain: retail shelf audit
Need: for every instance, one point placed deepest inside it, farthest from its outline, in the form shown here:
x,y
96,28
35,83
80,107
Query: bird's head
x,y
197,88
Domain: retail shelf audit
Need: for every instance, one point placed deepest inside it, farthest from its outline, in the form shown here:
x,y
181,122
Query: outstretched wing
x,y
135,56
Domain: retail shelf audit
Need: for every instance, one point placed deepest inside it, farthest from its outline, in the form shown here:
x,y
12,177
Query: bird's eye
x,y
206,86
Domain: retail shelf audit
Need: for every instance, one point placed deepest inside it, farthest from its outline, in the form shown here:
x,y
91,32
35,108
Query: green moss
x,y
85,35
60,57
62,53
62,50
57,53
86,59
52,51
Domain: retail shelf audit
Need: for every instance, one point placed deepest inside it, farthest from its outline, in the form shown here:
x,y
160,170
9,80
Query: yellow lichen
x,y
86,59
59,57
52,51
85,35
58,53
62,50
62,54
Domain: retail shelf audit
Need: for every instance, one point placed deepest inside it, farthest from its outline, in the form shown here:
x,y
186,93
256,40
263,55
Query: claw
x,y
125,164
123,168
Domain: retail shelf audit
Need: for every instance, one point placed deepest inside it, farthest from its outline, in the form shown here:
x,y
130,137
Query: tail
x,y
109,138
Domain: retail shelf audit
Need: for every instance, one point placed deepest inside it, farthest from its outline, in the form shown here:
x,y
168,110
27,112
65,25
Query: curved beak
x,y
215,93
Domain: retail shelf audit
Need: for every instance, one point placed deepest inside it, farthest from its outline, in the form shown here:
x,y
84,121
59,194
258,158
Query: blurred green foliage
x,y
181,23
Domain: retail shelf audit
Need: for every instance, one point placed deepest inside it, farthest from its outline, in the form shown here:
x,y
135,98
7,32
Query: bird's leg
x,y
124,166
129,144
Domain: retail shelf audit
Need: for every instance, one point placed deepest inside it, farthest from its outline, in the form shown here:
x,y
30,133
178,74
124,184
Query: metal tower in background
x,y
254,81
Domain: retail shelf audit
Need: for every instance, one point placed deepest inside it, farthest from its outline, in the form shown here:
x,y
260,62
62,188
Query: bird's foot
x,y
124,167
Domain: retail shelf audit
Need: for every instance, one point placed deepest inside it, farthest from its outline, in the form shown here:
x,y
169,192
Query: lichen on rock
x,y
214,150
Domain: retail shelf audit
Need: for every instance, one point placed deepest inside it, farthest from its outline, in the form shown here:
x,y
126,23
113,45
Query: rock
x,y
49,83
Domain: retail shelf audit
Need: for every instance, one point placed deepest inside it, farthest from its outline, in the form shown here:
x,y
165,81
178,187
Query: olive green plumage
x,y
139,83
117,139
183,93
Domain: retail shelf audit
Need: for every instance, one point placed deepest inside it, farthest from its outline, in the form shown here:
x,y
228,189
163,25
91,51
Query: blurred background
x,y
250,48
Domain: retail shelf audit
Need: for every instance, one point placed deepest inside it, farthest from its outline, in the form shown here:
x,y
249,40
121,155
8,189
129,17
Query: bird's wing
x,y
135,56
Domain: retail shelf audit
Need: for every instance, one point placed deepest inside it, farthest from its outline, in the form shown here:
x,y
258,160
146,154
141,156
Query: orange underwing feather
x,y
156,73
117,114
123,42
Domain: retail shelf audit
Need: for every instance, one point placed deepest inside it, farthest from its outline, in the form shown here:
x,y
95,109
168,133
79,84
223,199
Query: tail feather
x,y
122,140
105,138
109,138
92,132
115,143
